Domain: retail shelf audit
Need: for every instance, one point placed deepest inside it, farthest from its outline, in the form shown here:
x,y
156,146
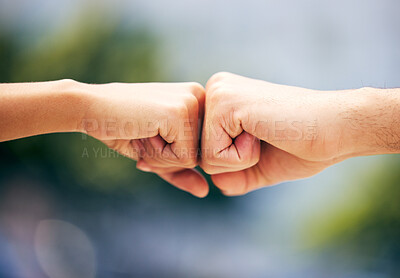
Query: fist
x,y
256,133
156,124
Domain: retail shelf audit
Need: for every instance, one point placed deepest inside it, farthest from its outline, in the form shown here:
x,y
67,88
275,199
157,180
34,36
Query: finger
x,y
162,151
275,166
213,170
267,172
183,149
242,143
188,180
199,92
223,76
226,154
215,78
137,148
127,148
236,183
145,167
152,155
158,153
244,151
184,141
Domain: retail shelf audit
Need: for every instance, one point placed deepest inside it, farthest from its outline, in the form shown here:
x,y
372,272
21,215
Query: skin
x,y
154,123
254,134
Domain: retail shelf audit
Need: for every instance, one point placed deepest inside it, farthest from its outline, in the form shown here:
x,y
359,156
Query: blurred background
x,y
69,207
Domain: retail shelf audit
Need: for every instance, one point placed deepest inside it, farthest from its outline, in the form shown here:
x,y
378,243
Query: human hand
x,y
153,123
256,133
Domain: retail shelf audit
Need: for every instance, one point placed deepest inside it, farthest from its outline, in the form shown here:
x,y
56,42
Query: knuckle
x,y
191,102
218,76
216,95
221,92
199,93
196,91
178,110
196,87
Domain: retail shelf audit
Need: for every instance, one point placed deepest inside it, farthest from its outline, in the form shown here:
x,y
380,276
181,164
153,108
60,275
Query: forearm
x,y
370,121
28,109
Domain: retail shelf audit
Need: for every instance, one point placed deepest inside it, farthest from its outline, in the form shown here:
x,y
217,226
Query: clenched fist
x,y
254,133
156,124
257,133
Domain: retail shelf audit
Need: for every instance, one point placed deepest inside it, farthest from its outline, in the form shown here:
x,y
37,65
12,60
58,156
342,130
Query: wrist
x,y
110,111
74,100
367,120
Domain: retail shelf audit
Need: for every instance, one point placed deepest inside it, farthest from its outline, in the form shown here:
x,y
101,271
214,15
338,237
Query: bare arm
x,y
130,118
28,109
257,133
371,120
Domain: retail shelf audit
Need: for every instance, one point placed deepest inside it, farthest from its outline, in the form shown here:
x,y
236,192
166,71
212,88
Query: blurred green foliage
x,y
90,50
95,51
94,48
366,229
